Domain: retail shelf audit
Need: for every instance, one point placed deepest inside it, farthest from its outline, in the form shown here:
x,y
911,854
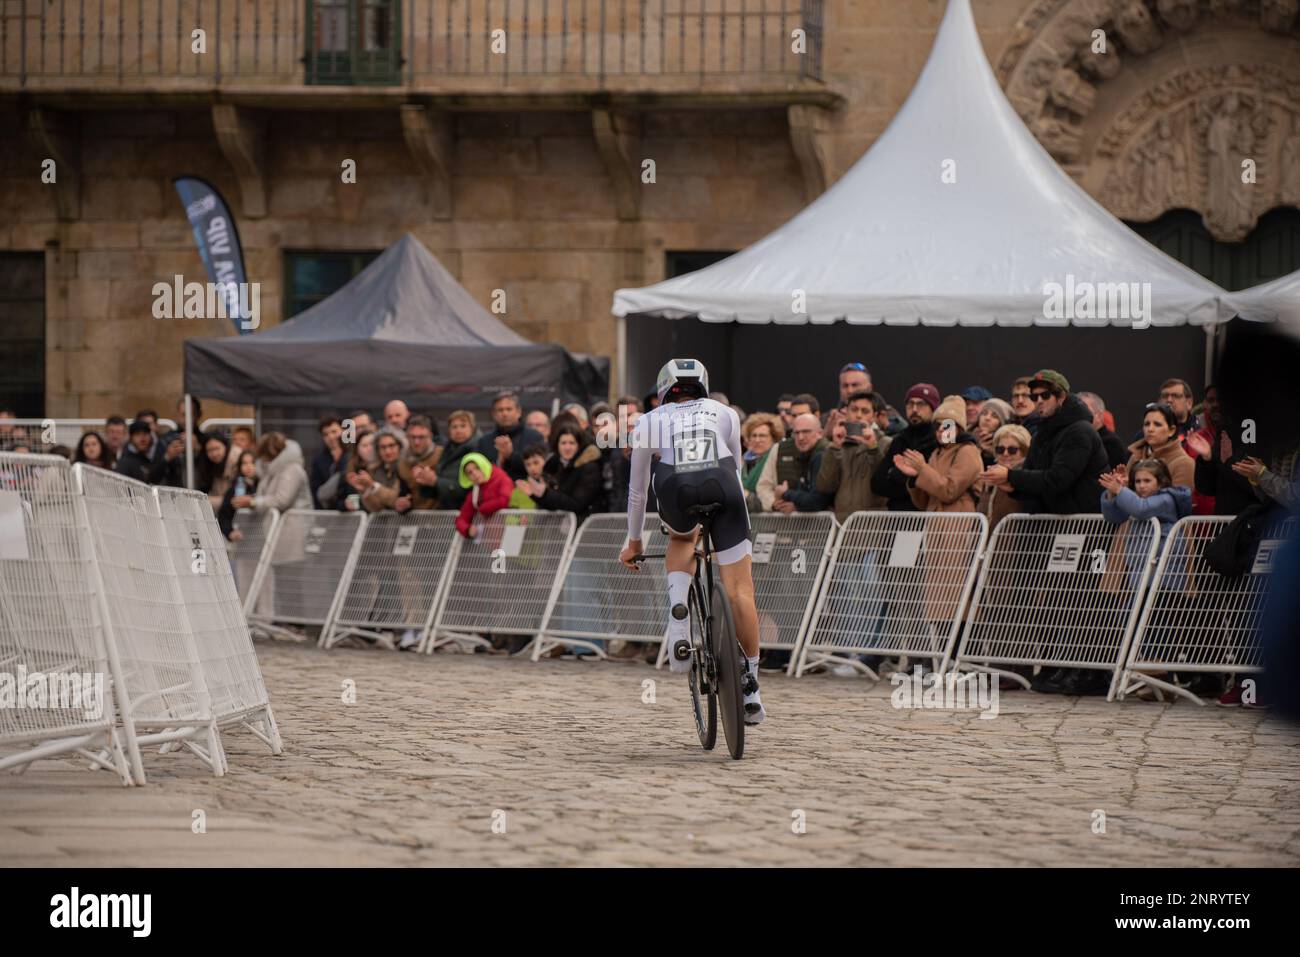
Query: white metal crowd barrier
x,y
791,555
601,600
897,586
302,566
227,662
63,677
186,657
505,581
397,579
255,530
1059,591
1196,620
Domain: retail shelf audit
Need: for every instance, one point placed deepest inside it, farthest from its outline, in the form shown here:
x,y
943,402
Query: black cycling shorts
x,y
677,491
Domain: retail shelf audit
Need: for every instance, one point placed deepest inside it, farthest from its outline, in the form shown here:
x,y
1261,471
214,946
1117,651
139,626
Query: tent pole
x,y
1211,337
621,348
189,442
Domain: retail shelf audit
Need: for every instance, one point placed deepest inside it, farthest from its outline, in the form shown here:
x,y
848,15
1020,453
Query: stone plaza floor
x,y
479,760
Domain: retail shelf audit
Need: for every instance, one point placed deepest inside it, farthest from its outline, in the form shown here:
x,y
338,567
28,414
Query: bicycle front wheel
x,y
704,692
726,655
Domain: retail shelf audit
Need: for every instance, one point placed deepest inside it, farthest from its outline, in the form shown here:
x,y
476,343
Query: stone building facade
x,y
522,167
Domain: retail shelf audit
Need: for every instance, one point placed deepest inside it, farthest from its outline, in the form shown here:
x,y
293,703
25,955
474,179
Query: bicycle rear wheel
x,y
704,692
726,655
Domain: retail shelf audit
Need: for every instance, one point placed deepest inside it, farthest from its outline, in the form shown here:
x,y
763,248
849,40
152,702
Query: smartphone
x,y
854,428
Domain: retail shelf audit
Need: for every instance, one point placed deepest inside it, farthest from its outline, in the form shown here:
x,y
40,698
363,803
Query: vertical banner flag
x,y
214,231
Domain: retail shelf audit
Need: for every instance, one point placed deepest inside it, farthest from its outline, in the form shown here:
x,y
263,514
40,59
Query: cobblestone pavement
x,y
587,773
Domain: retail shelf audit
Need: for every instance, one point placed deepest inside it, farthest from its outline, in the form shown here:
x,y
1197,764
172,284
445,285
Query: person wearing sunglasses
x,y
854,377
1059,475
1010,445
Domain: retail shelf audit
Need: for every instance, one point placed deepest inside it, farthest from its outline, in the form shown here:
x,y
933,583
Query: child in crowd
x,y
245,483
1150,493
534,486
490,491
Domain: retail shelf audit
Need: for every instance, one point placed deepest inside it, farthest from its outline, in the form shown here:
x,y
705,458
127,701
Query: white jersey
x,y
696,434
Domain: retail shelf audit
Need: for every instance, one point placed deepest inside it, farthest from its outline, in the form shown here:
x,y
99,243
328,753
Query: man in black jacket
x,y
1060,473
503,445
135,461
1059,477
887,481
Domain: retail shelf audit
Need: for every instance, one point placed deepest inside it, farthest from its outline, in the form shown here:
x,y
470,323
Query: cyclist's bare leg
x,y
679,556
738,580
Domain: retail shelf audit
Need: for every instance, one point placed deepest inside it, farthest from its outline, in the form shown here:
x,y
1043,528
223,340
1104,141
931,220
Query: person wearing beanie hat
x,y
490,491
888,482
926,392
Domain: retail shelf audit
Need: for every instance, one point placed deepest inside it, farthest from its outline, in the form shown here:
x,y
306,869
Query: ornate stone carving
x,y
1179,14
1278,15
1072,92
1289,162
1061,140
1234,127
1180,141
1100,66
1137,27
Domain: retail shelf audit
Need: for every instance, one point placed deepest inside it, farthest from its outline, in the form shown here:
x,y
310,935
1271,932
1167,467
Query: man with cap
x,y
1060,473
975,397
1059,477
888,482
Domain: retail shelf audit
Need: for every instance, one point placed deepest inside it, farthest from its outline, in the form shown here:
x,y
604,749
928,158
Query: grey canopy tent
x,y
403,328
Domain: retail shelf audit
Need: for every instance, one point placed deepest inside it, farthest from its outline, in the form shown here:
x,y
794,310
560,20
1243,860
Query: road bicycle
x,y
717,663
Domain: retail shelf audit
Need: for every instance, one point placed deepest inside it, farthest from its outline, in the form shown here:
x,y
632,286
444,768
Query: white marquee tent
x,y
1270,301
895,242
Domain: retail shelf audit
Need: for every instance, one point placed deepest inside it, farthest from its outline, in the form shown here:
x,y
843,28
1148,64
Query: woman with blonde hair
x,y
1010,445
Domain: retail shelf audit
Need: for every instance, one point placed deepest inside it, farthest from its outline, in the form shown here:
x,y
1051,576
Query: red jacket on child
x,y
493,495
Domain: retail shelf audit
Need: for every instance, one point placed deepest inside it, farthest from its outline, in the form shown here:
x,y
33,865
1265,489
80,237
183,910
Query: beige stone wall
x,y
534,216
535,212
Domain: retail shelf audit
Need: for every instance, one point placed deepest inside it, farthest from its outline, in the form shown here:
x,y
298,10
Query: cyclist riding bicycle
x,y
690,448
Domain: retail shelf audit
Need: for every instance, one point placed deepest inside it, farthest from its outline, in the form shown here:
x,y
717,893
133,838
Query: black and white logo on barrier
x,y
1066,552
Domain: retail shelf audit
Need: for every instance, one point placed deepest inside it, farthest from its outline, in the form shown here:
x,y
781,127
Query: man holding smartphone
x,y
856,449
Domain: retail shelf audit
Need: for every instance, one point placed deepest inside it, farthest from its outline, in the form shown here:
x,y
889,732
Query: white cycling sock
x,y
752,664
679,587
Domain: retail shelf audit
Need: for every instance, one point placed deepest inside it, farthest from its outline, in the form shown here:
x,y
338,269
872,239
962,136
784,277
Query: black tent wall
x,y
753,364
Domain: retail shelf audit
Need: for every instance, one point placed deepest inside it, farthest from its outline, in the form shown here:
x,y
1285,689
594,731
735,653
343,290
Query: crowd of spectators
x,y
1046,448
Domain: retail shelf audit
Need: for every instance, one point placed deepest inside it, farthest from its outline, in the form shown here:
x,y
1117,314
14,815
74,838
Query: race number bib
x,y
695,449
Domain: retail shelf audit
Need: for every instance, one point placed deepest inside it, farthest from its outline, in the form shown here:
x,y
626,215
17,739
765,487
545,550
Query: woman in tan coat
x,y
951,481
1160,441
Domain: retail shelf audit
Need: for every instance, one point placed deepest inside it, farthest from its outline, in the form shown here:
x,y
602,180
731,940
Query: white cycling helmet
x,y
683,373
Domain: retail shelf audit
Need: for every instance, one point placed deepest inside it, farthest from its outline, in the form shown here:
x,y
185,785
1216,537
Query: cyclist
x,y
690,448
